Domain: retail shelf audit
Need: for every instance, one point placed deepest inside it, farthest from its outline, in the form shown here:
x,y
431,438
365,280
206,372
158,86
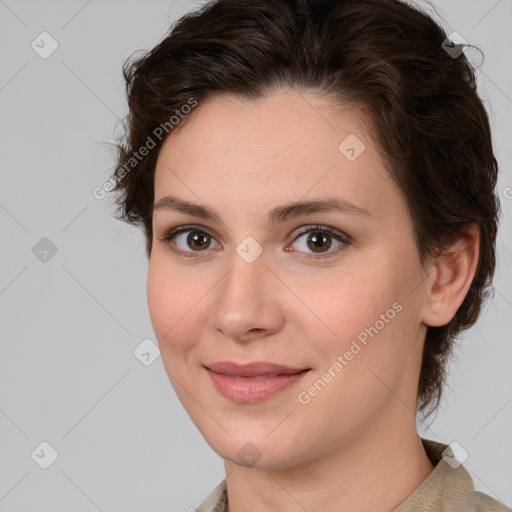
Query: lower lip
x,y
250,390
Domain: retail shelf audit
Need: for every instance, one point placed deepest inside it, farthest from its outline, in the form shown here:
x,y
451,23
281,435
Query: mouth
x,y
255,369
253,383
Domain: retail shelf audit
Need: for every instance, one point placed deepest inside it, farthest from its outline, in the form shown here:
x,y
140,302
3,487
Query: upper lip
x,y
255,369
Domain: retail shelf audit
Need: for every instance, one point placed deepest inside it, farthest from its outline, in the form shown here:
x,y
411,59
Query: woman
x,y
315,179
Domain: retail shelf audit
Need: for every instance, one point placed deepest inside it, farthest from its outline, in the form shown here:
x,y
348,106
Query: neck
x,y
375,471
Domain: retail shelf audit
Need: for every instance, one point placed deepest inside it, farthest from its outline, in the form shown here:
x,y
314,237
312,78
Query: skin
x,y
354,446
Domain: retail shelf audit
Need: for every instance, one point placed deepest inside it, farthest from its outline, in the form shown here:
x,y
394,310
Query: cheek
x,y
173,308
359,314
160,298
342,304
172,301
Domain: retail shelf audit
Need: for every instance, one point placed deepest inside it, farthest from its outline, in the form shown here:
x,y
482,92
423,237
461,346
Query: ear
x,y
450,277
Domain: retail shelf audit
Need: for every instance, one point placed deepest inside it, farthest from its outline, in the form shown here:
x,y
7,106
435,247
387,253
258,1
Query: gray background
x,y
70,325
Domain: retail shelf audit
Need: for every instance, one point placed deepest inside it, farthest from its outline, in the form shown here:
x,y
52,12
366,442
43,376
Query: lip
x,y
253,382
258,368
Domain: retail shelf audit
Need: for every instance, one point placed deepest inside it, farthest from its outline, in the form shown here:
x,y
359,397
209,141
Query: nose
x,y
248,300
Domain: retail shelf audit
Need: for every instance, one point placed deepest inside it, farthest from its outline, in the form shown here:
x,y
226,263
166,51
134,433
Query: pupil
x,y
318,239
199,240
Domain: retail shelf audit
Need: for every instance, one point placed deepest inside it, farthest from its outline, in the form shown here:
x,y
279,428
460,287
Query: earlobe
x,y
451,276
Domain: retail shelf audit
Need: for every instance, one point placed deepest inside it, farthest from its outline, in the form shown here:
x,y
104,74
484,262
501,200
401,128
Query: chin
x,y
256,450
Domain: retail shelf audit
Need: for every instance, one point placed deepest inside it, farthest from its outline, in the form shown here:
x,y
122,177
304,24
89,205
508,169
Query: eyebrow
x,y
275,216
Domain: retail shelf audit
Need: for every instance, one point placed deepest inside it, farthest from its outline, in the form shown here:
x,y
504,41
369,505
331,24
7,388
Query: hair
x,y
386,57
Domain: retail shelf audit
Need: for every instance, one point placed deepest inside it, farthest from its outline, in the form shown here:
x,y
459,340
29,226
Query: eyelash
x,y
340,237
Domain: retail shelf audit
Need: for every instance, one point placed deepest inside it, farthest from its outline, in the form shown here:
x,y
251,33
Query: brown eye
x,y
318,241
198,240
188,241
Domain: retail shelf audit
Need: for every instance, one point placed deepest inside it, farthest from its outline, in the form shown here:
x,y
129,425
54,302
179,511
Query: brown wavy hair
x,y
386,56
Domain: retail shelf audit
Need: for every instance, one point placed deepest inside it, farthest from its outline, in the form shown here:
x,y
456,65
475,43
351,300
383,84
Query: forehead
x,y
288,116
286,126
281,147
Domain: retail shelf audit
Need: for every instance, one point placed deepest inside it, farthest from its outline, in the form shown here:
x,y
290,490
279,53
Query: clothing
x,y
446,489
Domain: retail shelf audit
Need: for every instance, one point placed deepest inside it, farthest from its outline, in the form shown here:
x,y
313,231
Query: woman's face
x,y
335,291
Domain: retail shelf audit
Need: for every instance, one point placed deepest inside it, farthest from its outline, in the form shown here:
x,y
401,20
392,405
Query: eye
x,y
188,241
319,241
191,241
